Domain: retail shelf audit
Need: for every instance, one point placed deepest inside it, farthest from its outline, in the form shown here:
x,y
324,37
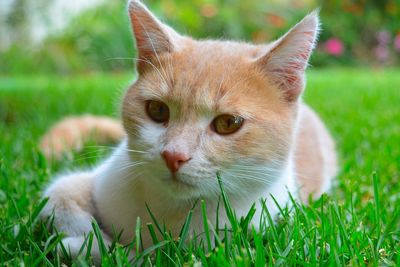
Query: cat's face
x,y
199,107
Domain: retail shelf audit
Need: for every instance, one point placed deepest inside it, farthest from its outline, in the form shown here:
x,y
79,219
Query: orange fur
x,y
71,134
282,146
198,82
201,79
315,155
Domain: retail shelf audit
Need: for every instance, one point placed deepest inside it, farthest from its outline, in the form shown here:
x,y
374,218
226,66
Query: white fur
x,y
111,191
120,193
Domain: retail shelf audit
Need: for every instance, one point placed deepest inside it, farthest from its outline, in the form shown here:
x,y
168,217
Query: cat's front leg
x,y
71,201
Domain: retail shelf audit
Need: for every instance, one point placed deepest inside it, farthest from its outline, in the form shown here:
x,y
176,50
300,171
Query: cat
x,y
198,107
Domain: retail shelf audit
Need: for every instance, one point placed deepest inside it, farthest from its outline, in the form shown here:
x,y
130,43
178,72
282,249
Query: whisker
x,y
152,46
130,166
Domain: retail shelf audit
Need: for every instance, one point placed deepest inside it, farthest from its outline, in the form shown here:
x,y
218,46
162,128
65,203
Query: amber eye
x,y
227,124
157,111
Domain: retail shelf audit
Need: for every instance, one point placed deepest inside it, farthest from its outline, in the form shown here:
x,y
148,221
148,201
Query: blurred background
x,y
64,37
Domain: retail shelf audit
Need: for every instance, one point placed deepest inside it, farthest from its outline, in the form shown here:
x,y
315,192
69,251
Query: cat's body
x,y
197,108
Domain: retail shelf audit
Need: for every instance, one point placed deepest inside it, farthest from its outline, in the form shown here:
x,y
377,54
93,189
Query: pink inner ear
x,y
305,54
285,76
292,78
144,30
287,60
290,81
150,35
289,75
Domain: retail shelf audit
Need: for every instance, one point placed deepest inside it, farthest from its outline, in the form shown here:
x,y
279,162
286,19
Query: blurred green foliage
x,y
99,39
91,41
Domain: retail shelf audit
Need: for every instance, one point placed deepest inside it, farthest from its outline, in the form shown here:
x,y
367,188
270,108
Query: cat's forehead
x,y
210,75
213,52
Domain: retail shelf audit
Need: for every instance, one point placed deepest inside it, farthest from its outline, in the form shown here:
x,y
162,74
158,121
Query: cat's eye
x,y
158,111
227,124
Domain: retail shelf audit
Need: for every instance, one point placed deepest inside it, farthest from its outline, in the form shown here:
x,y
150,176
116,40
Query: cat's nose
x,y
174,160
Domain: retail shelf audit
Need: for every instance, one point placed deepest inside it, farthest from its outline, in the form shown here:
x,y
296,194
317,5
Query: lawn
x,y
358,224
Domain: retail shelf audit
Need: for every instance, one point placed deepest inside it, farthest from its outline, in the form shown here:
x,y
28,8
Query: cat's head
x,y
199,107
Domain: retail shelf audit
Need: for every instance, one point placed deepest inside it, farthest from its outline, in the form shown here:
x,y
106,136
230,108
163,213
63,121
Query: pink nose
x,y
174,160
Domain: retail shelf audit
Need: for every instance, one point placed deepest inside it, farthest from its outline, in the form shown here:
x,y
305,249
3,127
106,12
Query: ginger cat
x,y
197,107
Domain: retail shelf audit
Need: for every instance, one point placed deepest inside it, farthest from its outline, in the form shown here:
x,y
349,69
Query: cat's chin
x,y
175,180
179,188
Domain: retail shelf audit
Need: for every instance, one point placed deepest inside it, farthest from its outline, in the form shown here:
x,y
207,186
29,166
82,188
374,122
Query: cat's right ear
x,y
152,36
288,57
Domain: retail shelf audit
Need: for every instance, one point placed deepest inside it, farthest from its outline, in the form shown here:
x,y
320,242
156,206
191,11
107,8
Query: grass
x,y
358,224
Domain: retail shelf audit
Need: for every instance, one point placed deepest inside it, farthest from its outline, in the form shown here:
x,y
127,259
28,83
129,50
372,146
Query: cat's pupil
x,y
227,124
157,111
160,110
231,121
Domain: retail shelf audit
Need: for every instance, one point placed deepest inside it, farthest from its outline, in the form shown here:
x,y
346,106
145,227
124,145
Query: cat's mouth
x,y
176,180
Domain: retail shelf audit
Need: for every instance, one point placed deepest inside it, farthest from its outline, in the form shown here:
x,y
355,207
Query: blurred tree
x,y
17,22
359,32
19,19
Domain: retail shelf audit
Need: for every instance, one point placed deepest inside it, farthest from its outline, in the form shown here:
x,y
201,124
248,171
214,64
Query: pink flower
x,y
397,42
383,37
381,53
334,47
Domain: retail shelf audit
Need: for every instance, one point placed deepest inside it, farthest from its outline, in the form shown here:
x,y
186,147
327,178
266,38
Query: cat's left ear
x,y
152,36
285,63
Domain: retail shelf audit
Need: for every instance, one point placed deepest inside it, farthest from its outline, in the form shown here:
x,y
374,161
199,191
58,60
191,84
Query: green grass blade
x,y
205,224
185,229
